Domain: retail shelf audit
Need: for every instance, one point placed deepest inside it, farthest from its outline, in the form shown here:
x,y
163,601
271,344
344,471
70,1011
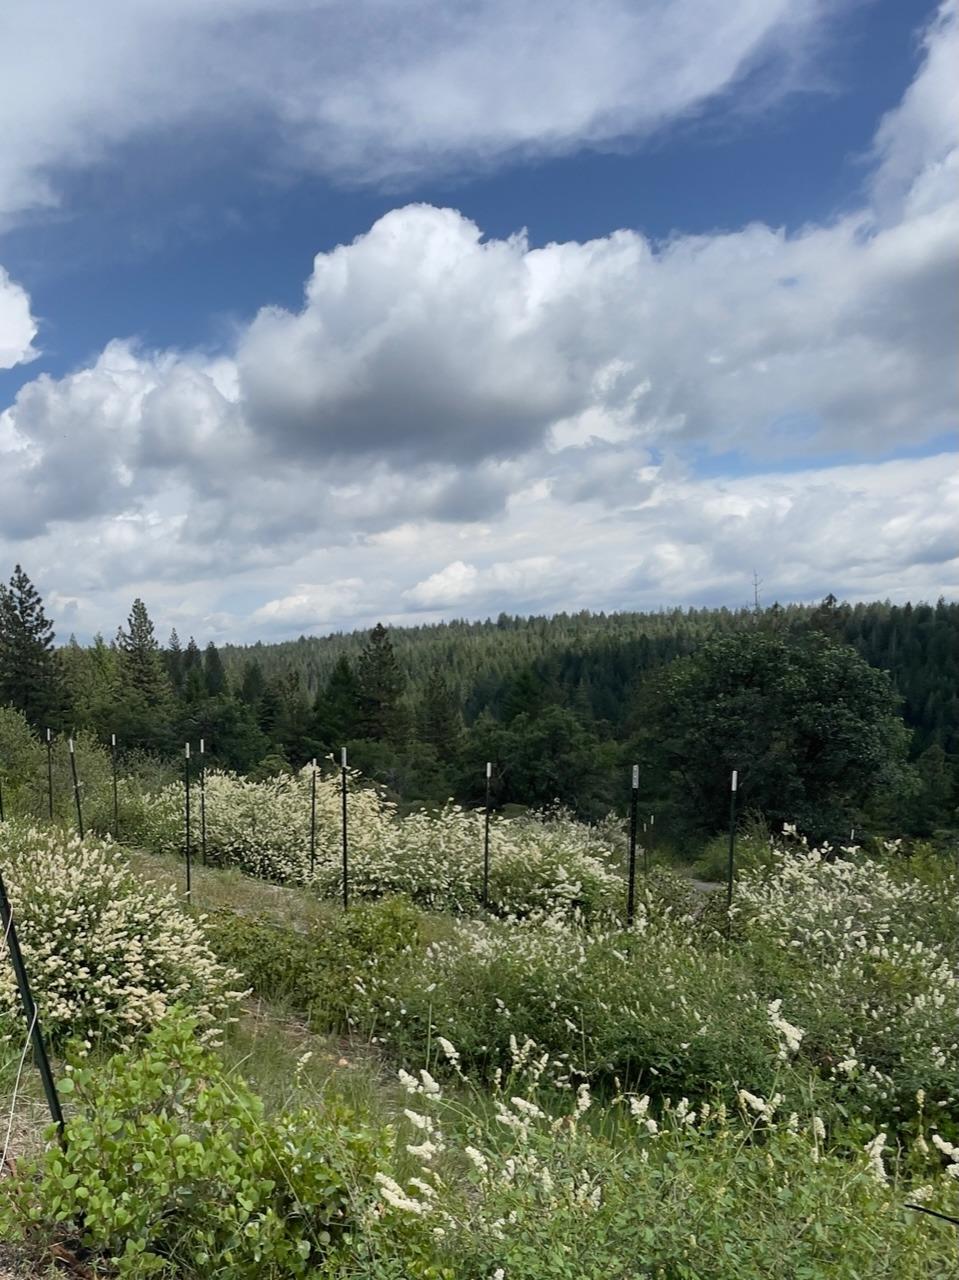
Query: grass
x,y
227,889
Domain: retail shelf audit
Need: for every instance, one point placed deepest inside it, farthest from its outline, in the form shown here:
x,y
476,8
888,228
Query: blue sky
x,y
756,373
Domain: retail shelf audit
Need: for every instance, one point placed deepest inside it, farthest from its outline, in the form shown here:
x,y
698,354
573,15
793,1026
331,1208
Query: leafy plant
x,y
170,1167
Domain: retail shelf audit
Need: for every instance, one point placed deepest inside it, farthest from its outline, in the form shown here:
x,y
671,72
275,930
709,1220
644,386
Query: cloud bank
x,y
455,423
373,90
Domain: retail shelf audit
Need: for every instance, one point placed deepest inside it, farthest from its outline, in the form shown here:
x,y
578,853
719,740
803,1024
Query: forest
x,y
836,716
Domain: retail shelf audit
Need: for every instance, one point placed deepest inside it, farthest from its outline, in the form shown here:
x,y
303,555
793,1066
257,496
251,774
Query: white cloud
x,y
17,326
369,89
463,584
451,423
313,606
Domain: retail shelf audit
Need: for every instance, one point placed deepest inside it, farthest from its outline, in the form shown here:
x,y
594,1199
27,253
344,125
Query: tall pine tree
x,y
145,711
30,676
213,674
381,686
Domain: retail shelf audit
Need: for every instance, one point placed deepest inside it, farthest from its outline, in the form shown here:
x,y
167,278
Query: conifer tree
x,y
145,709
336,711
440,721
381,686
253,683
173,656
141,664
214,675
30,676
194,684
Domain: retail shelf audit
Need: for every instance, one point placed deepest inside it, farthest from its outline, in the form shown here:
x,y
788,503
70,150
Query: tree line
x,y
834,714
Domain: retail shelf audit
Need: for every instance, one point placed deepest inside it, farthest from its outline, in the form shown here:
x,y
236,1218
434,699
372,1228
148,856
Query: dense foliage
x,y
837,975
170,1168
436,858
520,1184
562,706
107,955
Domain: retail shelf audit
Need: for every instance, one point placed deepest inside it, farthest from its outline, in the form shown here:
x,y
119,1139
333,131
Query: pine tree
x,y
440,723
213,674
194,684
253,684
30,676
336,711
173,657
381,685
141,664
145,710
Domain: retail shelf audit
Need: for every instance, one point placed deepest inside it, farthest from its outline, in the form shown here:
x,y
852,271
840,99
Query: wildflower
x,y
874,1150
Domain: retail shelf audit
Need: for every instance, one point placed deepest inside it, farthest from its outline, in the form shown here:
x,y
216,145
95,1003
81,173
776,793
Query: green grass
x,y
226,889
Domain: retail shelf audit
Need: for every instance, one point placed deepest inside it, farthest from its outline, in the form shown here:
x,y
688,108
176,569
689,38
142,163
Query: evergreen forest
x,y
836,716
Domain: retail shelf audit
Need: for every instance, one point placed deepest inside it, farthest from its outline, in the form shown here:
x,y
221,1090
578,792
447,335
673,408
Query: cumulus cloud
x,y
371,89
463,584
455,423
17,326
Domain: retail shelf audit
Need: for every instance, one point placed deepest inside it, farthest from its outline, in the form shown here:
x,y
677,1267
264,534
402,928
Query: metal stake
x,y
186,781
76,787
489,777
30,1011
50,774
1,800
313,820
648,843
116,801
346,862
631,880
203,801
734,781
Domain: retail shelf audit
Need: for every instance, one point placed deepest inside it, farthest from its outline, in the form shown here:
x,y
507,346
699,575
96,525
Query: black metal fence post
x,y
1,801
648,852
116,798
489,778
631,871
313,819
30,1011
733,784
202,802
76,786
50,775
186,822
346,860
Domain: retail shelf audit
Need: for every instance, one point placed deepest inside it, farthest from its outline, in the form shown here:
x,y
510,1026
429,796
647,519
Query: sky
x,y
315,313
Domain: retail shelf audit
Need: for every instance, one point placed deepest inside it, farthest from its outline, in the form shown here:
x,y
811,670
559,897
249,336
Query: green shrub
x,y
107,954
318,972
170,1167
535,1190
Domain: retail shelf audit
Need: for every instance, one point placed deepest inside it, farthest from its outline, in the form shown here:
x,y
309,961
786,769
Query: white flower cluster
x,y
263,828
107,955
876,949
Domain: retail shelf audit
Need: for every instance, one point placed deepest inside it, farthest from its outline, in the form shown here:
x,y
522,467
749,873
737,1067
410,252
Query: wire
x,y
16,1091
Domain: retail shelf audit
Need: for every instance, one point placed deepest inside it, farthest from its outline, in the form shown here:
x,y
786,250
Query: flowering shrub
x,y
866,961
516,1184
263,828
106,954
643,1006
537,1191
